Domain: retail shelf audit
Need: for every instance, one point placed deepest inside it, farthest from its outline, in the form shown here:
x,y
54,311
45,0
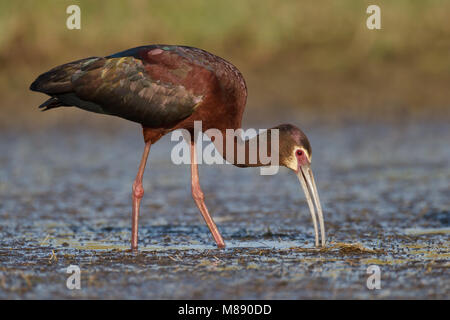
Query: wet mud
x,y
65,200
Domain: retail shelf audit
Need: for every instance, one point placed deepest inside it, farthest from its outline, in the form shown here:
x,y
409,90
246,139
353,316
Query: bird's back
x,y
159,86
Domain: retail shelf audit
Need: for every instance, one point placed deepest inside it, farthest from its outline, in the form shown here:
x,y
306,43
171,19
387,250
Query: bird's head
x,y
295,154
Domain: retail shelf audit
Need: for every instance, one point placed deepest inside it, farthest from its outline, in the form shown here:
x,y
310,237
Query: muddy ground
x,y
65,200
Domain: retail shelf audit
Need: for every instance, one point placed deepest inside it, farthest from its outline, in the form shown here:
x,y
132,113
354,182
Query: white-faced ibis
x,y
164,88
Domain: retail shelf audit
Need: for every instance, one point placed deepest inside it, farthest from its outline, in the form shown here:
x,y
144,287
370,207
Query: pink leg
x,y
199,199
138,193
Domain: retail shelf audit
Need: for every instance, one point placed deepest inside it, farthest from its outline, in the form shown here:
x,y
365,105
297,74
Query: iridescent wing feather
x,y
120,86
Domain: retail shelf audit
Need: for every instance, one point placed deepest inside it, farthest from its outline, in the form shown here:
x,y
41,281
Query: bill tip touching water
x,y
165,88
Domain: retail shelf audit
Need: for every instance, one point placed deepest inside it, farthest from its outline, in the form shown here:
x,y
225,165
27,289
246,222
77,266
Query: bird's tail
x,y
50,104
58,81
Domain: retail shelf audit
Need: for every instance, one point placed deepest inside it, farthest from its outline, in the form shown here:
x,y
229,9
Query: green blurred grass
x,y
293,53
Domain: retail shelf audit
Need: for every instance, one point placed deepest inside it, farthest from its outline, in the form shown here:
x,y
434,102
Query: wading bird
x,y
167,87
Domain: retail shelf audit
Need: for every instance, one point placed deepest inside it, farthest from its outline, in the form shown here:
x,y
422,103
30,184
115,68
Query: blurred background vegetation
x,y
308,55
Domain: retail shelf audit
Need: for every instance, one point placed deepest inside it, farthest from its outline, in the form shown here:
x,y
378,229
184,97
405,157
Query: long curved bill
x,y
306,178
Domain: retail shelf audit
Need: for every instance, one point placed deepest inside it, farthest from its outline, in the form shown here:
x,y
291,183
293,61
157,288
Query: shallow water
x,y
65,200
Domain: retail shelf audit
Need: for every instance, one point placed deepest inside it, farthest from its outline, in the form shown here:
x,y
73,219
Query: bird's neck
x,y
247,148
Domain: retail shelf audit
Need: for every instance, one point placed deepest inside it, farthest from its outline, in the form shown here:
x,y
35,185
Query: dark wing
x,y
119,86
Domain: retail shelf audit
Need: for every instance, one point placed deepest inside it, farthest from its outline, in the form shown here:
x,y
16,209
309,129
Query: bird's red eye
x,y
299,153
